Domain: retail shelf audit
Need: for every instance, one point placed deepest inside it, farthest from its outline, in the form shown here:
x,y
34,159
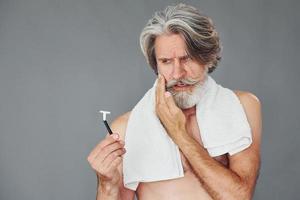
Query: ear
x,y
206,67
155,71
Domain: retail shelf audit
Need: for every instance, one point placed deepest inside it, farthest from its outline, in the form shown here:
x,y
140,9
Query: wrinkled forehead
x,y
170,46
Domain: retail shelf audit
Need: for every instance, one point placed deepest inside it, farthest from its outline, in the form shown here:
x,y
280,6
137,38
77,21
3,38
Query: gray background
x,y
62,61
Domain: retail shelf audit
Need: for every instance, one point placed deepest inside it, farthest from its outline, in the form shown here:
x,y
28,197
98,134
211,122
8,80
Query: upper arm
x,y
247,162
119,126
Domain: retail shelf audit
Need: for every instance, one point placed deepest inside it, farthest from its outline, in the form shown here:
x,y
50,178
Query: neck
x,y
189,112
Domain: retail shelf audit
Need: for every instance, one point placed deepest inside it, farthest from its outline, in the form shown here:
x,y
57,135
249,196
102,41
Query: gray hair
x,y
198,31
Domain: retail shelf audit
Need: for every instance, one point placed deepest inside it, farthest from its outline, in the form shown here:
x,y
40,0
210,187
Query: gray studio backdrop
x,y
62,61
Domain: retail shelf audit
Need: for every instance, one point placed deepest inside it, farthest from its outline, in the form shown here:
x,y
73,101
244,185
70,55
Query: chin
x,y
183,107
185,100
188,99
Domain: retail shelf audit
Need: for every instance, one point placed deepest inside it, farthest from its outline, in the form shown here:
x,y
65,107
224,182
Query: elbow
x,y
244,192
245,195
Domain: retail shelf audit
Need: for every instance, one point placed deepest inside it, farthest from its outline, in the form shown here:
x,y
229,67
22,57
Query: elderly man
x,y
182,46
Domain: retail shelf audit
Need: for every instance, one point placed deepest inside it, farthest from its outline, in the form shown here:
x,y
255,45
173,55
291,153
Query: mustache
x,y
187,81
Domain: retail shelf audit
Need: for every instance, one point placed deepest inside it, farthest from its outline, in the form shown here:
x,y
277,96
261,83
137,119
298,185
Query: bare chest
x,y
187,187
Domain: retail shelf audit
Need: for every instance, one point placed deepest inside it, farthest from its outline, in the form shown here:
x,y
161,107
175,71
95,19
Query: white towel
x,y
151,155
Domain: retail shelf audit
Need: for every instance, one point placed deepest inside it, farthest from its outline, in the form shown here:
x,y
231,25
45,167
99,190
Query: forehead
x,y
170,46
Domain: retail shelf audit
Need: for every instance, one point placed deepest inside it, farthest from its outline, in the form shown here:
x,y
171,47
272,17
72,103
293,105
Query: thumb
x,y
170,102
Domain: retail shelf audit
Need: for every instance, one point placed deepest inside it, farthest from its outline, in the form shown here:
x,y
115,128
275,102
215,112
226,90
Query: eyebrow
x,y
181,57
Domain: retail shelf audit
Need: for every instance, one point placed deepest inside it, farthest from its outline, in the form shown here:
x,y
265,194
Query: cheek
x,y
165,71
197,71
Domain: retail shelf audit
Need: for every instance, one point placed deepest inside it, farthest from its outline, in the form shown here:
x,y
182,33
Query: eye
x,y
185,58
166,61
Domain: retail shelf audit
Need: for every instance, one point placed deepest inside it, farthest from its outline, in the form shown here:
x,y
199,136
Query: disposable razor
x,y
104,113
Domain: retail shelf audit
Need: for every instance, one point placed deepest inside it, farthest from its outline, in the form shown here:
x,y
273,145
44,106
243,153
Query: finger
x,y
108,150
114,164
112,156
160,89
111,148
109,139
170,102
102,167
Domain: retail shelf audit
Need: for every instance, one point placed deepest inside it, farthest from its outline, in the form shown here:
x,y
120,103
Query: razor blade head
x,y
104,113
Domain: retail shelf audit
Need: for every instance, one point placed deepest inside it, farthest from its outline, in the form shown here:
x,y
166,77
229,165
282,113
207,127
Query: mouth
x,y
181,86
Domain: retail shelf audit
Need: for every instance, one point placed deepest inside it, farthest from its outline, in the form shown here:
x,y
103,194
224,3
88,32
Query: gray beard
x,y
186,99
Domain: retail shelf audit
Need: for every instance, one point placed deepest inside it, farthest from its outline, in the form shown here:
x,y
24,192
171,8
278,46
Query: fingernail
x,y
167,94
116,136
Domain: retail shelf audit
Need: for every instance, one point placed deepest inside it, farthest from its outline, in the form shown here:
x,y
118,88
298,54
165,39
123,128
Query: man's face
x,y
184,75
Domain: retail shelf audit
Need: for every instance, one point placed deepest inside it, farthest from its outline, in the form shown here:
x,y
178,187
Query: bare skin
x,y
239,179
222,177
188,187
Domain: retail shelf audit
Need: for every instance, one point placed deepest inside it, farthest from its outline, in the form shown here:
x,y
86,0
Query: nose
x,y
178,70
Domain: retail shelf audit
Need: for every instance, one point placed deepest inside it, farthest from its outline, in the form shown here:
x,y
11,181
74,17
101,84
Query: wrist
x,y
107,189
181,136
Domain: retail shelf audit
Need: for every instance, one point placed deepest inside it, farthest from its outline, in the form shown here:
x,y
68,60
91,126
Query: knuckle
x,y
102,172
114,164
109,150
159,107
111,155
114,145
122,143
89,159
106,141
101,145
100,148
103,142
104,151
118,146
97,168
112,148
119,152
114,154
117,161
122,150
162,106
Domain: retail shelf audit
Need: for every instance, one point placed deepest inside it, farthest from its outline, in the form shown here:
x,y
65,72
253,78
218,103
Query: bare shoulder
x,y
119,125
252,107
247,98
